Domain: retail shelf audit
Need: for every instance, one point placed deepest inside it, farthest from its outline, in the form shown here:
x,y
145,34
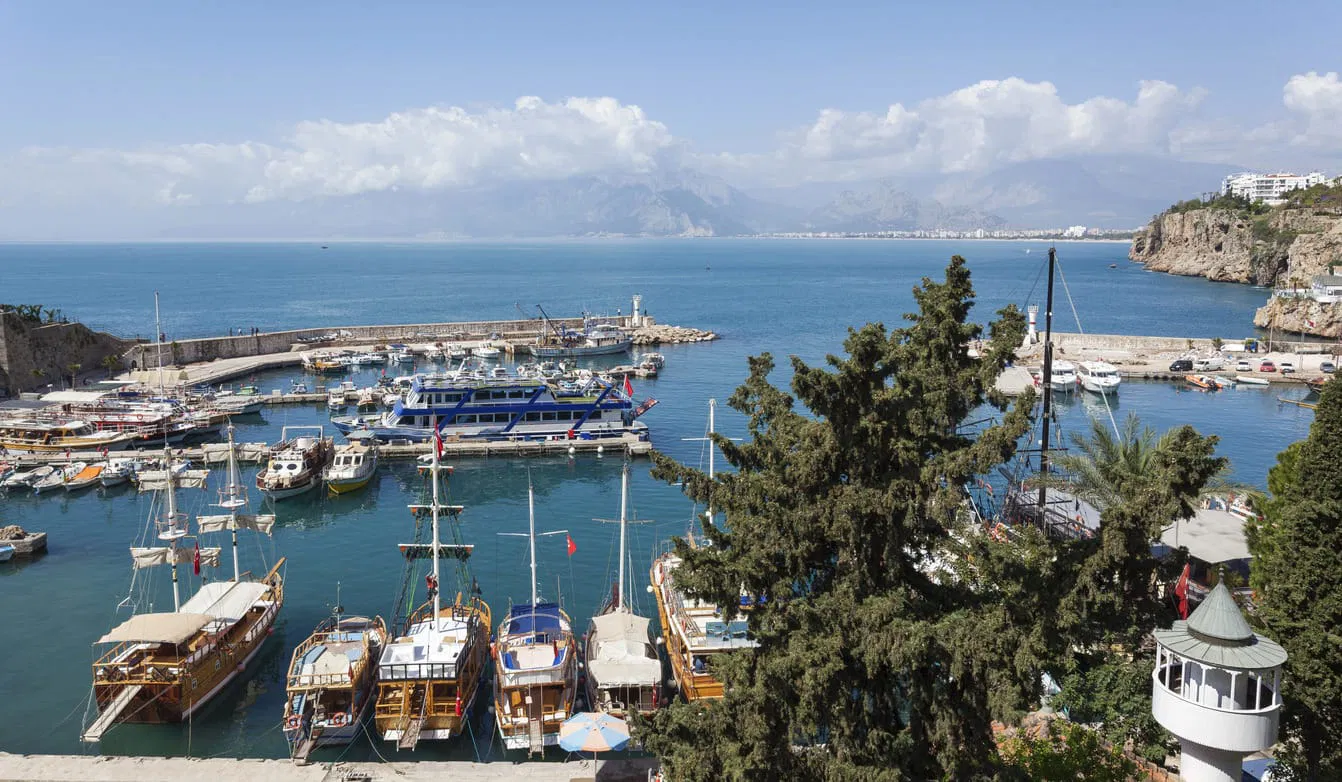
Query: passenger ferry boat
x,y
472,406
535,665
54,435
165,666
296,463
330,683
431,674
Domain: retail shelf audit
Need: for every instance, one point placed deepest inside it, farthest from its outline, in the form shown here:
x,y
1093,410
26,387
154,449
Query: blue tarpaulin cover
x,y
538,618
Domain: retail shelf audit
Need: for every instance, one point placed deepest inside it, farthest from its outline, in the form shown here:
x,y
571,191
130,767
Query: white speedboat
x,y
1098,377
1064,377
486,352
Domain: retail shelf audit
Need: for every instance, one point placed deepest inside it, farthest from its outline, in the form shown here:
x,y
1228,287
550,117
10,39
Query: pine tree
x,y
1298,569
873,660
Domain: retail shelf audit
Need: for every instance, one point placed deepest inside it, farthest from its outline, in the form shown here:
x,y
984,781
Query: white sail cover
x,y
262,524
621,654
163,555
157,480
157,628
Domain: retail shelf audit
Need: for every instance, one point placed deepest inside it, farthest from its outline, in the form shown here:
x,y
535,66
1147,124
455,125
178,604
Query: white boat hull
x,y
1096,387
293,491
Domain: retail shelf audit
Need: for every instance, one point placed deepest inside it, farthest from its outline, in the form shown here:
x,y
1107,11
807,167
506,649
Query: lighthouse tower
x,y
1216,687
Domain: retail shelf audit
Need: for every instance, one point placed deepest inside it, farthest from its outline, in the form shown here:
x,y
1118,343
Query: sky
x,y
155,104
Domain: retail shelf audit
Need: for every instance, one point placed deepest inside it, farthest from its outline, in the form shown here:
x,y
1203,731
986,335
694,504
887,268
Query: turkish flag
x,y
1181,592
572,547
438,440
195,560
628,387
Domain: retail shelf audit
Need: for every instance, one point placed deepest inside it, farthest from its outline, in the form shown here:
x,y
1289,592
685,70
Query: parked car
x,y
1182,365
1243,366
1287,367
1327,368
1267,366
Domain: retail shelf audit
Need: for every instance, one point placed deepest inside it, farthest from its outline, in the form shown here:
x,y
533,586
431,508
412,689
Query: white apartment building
x,y
1271,189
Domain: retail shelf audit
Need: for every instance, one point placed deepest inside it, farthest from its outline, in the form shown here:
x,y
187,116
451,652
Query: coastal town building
x,y
1327,288
1271,189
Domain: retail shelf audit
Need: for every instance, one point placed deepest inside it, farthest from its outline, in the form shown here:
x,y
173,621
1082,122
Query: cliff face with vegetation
x,y
1229,240
35,353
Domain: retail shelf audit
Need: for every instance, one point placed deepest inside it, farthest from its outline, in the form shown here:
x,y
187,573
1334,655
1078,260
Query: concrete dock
x,y
217,453
97,768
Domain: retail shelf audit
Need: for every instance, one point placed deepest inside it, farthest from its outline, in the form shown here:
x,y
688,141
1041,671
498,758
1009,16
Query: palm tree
x,y
1105,467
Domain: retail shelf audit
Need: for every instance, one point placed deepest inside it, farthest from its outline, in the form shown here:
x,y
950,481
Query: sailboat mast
x,y
433,471
233,485
712,427
624,522
1046,379
531,537
158,337
171,529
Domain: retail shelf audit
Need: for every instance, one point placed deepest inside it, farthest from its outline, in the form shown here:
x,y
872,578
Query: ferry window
x,y
466,419
517,394
595,415
451,397
533,416
548,416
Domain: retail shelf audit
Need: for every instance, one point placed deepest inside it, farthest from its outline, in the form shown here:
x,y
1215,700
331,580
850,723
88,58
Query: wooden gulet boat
x,y
296,463
693,630
165,666
535,670
431,674
624,672
331,681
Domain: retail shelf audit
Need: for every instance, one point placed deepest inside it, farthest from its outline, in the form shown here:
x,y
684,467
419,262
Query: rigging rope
x,y
1082,331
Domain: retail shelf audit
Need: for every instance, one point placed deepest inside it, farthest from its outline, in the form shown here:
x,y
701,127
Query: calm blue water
x,y
789,297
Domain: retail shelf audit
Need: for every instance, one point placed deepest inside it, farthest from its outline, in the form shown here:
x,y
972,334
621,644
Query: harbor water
x,y
787,297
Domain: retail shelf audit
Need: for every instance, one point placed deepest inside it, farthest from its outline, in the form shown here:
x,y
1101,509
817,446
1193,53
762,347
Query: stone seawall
x,y
192,351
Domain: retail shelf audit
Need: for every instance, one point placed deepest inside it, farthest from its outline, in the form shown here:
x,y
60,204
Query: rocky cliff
x,y
33,356
1300,316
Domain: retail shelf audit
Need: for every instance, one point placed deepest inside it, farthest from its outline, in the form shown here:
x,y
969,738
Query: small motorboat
x,y
335,400
117,472
486,352
6,552
24,479
91,475
1247,380
1204,382
367,401
58,477
352,466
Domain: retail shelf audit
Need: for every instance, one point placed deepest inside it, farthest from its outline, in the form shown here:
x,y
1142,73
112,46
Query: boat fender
x,y
293,722
458,707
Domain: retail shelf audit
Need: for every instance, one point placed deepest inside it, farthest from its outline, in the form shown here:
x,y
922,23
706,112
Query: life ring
x,y
340,719
293,722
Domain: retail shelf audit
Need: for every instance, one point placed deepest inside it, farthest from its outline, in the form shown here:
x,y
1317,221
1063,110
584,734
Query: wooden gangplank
x,y
110,715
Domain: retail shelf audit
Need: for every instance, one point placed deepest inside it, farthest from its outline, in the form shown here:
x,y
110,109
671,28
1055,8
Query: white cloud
x,y
976,128
1315,101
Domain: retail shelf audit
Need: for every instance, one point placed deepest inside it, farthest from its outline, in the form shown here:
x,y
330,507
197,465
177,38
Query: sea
x,y
785,297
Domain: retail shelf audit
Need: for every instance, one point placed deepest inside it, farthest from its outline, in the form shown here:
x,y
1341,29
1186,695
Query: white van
x,y
1213,364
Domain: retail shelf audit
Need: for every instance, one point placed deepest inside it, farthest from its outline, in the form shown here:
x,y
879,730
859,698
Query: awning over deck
x,y
157,628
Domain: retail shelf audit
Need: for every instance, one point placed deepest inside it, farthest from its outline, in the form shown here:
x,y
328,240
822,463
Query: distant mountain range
x,y
1104,192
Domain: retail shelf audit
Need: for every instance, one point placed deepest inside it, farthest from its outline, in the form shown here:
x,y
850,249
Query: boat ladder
x,y
303,749
412,726
536,741
109,716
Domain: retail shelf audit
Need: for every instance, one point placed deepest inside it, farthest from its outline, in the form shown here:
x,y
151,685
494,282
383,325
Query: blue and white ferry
x,y
468,405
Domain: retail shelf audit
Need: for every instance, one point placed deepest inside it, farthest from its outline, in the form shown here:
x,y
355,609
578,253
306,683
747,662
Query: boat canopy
x,y
225,600
157,628
621,655
157,480
73,397
539,618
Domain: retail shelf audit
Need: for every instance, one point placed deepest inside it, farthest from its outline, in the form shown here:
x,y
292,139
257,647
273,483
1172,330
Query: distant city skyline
x,y
139,108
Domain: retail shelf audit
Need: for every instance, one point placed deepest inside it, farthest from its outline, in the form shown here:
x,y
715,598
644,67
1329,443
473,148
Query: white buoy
x,y
572,450
649,588
600,449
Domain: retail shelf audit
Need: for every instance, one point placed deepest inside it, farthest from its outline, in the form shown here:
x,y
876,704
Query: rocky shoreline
x,y
1282,247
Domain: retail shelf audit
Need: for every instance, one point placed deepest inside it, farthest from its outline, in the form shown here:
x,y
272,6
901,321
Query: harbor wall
x,y
1070,341
192,351
34,356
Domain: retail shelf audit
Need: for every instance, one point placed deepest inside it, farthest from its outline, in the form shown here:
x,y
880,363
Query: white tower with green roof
x,y
1216,687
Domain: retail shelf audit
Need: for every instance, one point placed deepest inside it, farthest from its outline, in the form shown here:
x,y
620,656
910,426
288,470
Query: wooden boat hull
x,y
348,486
693,686
291,490
174,690
399,700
